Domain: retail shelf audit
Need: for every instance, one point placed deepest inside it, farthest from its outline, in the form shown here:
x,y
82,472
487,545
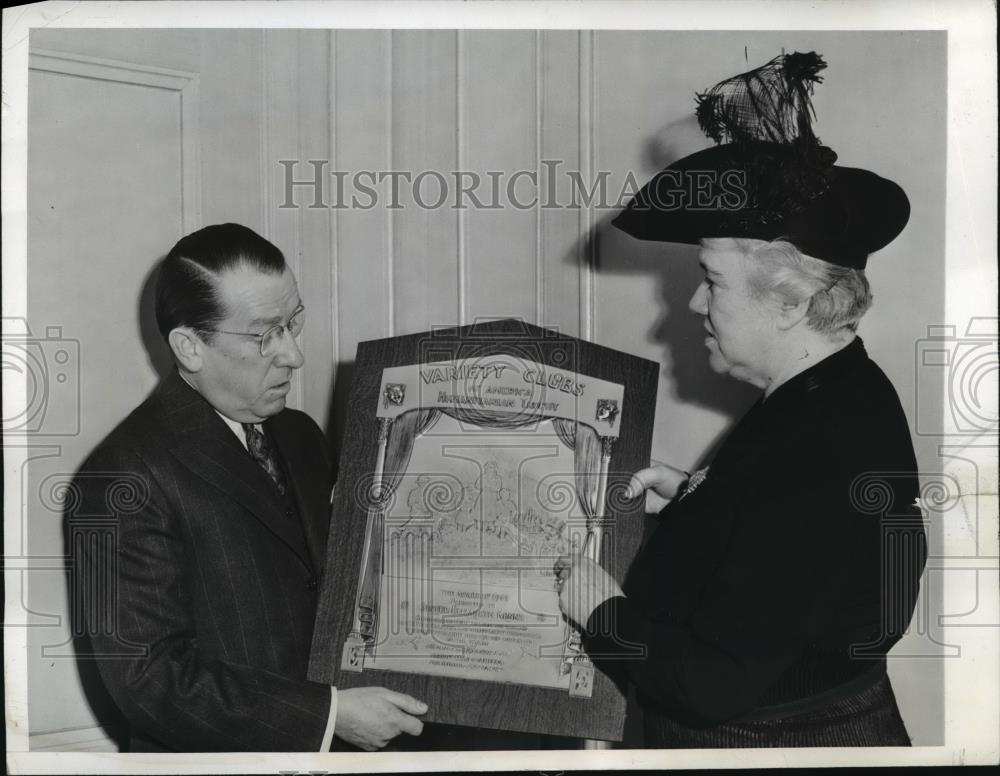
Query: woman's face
x,y
742,330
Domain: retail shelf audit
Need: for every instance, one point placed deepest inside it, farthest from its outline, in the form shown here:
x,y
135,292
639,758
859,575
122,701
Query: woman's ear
x,y
790,314
187,348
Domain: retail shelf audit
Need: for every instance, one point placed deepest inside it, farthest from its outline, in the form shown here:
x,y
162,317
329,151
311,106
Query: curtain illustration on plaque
x,y
478,484
395,446
411,551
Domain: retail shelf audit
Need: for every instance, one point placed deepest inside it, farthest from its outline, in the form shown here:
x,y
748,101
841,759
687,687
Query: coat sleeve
x,y
131,587
783,568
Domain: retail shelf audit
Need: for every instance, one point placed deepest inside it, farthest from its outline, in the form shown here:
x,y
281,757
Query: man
x,y
204,623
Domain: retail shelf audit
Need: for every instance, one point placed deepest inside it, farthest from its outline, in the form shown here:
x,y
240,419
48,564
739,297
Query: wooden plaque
x,y
472,458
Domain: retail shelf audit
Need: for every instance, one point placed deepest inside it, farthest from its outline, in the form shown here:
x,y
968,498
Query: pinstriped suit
x,y
216,583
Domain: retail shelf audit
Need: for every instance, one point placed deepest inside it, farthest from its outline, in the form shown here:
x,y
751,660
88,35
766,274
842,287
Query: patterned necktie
x,y
263,454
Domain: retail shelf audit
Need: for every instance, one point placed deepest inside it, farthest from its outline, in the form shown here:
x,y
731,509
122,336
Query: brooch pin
x,y
694,481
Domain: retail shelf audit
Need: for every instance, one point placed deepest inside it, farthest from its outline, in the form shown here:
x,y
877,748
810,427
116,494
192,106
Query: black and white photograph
x,y
555,385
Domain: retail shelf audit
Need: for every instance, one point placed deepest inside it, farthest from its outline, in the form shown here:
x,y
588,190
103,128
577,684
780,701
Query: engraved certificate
x,y
490,469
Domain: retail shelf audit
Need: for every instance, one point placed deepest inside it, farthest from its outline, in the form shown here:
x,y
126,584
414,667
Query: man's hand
x,y
583,586
661,481
370,717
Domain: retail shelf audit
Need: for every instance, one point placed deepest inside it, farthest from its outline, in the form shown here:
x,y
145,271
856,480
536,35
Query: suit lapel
x,y
308,485
209,449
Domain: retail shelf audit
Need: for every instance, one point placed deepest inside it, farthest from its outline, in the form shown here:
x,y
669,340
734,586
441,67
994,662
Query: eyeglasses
x,y
270,340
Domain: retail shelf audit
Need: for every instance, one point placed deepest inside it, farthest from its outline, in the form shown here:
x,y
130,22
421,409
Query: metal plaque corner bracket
x,y
581,678
353,657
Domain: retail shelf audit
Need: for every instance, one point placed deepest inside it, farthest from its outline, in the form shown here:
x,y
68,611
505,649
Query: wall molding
x,y
333,222
185,84
280,135
390,218
264,138
539,225
460,156
588,138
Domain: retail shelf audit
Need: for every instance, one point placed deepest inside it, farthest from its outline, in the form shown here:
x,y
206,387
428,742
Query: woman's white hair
x,y
838,296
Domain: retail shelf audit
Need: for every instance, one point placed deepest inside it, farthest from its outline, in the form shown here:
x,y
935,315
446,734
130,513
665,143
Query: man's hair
x,y
186,286
838,296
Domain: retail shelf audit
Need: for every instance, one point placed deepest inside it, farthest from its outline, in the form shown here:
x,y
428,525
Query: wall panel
x,y
106,196
317,260
362,145
425,147
231,124
560,240
499,124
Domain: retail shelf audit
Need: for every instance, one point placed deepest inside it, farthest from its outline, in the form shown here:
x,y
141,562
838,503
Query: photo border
x,y
971,704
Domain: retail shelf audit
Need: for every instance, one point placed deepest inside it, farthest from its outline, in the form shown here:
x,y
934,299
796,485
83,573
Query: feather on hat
x,y
768,176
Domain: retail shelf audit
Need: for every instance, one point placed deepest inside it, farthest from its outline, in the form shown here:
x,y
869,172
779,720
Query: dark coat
x,y
201,595
791,569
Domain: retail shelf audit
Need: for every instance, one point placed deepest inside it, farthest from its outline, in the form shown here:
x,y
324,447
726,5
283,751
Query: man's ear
x,y
187,348
791,315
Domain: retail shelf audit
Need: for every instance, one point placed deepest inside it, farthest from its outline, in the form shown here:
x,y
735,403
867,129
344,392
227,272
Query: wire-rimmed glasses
x,y
270,340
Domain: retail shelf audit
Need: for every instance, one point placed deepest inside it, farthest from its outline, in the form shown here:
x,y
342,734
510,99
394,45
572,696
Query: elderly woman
x,y
760,611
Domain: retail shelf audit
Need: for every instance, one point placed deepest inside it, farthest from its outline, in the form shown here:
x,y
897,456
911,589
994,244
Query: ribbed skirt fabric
x,y
869,717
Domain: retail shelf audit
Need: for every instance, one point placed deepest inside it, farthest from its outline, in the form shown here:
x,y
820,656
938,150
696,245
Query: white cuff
x,y
331,720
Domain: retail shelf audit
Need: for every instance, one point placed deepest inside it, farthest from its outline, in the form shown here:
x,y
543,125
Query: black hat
x,y
772,178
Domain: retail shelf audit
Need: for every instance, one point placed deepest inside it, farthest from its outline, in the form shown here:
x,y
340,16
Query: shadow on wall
x,y
160,358
674,141
686,375
337,410
98,698
673,267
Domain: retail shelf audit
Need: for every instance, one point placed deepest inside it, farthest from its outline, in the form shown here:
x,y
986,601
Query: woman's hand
x,y
583,586
661,481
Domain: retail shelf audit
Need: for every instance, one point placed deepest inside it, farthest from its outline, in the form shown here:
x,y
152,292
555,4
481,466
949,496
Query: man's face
x,y
741,330
235,378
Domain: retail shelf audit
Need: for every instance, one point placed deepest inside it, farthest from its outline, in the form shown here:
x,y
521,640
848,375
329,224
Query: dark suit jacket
x,y
200,591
